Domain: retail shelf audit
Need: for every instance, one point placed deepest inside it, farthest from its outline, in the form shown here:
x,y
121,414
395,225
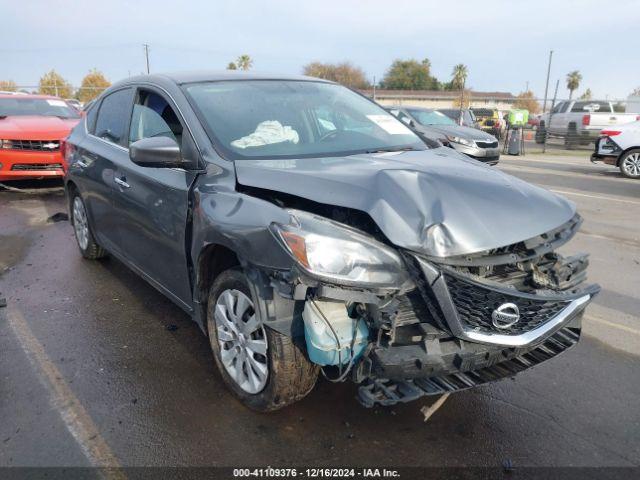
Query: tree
x,y
527,101
410,75
459,76
635,92
232,66
463,101
344,73
573,81
93,84
244,62
458,80
52,83
587,95
8,86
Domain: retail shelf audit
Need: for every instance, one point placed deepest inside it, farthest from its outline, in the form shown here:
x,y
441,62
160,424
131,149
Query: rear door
x,y
99,152
558,121
152,204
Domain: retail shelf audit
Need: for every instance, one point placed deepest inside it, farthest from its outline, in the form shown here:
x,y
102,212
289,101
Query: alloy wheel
x,y
631,165
242,340
80,223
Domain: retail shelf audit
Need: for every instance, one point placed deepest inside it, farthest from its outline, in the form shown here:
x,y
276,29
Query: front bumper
x,y
444,336
470,371
490,155
22,165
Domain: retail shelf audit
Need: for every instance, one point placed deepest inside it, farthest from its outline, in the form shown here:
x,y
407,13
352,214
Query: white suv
x,y
620,146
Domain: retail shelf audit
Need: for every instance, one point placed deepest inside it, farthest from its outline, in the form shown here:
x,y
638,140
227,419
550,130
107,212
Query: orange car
x,y
32,128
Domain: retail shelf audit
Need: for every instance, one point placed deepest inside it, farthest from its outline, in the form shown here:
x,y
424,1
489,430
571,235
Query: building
x,y
441,98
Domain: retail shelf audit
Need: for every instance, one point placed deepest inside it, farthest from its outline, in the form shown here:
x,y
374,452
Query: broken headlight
x,y
334,252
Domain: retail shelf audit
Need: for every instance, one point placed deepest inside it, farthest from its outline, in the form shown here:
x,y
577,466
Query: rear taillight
x,y
67,149
586,119
637,117
610,133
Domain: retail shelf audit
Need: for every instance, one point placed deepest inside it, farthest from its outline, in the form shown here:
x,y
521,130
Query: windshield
x,y
49,107
430,117
289,119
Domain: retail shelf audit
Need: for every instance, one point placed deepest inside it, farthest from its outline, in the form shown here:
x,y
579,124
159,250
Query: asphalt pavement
x,y
98,368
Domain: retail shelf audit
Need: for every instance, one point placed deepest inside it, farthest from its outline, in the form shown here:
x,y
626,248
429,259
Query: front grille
x,y
36,166
487,144
33,145
475,304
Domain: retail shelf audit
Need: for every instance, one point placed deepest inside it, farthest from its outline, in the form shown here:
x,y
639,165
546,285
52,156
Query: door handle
x,y
81,164
121,182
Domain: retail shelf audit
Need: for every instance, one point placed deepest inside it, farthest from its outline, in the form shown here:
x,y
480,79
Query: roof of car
x,y
27,96
217,75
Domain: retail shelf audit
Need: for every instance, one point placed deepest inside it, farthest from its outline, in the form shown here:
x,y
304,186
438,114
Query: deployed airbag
x,y
266,133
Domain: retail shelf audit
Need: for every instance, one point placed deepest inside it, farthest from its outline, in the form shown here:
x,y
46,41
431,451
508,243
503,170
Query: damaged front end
x,y
404,324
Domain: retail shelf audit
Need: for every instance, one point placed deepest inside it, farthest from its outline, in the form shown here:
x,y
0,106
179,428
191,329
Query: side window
x,y
154,117
402,116
92,114
590,106
113,116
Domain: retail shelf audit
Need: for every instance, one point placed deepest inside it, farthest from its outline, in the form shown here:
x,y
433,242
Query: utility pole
x,y
527,87
546,87
553,103
146,55
374,88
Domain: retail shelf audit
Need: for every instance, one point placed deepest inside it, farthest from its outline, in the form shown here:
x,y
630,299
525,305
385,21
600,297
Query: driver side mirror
x,y
161,152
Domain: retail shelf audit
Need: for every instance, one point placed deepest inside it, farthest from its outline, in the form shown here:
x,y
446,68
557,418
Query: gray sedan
x,y
437,126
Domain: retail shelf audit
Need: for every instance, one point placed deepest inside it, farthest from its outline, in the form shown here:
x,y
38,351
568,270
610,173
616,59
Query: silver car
x,y
435,125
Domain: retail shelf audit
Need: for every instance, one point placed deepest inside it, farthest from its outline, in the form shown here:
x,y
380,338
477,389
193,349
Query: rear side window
x,y
113,117
92,114
590,106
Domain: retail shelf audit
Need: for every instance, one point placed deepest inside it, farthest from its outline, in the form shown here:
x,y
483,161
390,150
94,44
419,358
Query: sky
x,y
505,44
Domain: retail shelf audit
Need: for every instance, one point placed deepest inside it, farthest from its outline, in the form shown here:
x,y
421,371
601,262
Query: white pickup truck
x,y
580,121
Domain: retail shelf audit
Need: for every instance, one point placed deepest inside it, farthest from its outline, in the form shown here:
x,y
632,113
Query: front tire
x,y
264,369
630,163
82,230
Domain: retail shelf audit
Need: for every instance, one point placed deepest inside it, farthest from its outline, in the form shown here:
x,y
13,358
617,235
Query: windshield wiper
x,y
396,149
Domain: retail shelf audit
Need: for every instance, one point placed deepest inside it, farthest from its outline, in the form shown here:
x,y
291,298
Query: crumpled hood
x,y
435,202
36,127
460,131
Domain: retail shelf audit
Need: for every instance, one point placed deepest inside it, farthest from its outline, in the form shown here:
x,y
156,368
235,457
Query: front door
x,y
153,203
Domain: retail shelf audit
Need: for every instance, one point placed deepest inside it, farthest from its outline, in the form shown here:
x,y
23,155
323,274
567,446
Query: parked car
x,y
437,126
489,121
468,119
580,121
305,228
620,146
32,128
74,103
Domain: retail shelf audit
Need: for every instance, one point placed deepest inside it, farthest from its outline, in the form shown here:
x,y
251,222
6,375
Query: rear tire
x,y
290,375
630,163
83,231
571,140
540,133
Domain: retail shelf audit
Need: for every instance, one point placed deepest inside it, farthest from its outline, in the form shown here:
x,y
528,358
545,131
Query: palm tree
x,y
232,66
573,81
459,79
244,62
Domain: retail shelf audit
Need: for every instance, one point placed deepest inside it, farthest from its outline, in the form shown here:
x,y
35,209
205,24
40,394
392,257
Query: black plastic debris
x,y
58,217
172,327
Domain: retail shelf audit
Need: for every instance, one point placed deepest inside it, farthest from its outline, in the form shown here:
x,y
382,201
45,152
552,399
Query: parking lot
x,y
98,367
